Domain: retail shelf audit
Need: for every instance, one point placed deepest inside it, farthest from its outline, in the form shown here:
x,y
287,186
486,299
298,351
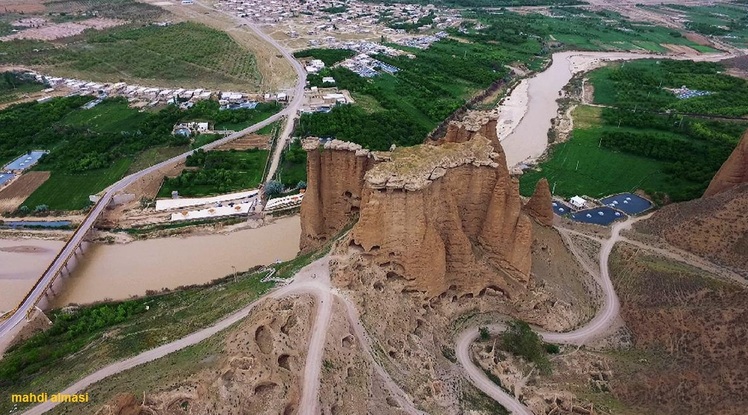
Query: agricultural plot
x,y
640,140
581,167
729,22
579,29
70,191
13,195
109,116
184,54
218,172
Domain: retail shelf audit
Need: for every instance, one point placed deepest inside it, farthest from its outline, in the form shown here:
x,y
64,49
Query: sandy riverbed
x,y
525,115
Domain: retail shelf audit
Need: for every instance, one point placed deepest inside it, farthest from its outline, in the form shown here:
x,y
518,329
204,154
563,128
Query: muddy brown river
x,y
22,261
122,270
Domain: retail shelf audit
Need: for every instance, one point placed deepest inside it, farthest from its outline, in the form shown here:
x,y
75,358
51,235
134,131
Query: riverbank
x,y
119,265
120,271
525,114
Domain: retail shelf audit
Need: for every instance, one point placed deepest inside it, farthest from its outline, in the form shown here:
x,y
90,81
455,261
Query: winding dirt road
x,y
602,321
314,279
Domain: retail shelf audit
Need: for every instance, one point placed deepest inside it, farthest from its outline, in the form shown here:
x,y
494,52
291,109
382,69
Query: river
x,y
525,115
22,261
119,271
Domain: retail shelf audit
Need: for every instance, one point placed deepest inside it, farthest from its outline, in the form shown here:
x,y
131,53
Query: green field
x,y
640,140
183,54
292,169
729,22
70,191
581,167
577,29
218,172
155,155
107,117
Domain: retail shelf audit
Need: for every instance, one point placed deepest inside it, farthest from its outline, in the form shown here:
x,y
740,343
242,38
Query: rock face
x,y
473,123
539,205
733,172
335,177
446,217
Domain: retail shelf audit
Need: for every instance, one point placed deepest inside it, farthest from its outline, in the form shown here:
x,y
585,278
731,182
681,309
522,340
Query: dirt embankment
x,y
257,371
689,333
715,227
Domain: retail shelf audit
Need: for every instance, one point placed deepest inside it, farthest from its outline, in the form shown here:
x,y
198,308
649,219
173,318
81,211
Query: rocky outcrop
x,y
446,218
335,179
539,205
441,217
733,172
474,123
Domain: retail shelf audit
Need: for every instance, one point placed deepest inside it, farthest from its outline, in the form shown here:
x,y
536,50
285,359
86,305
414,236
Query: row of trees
x,y
377,131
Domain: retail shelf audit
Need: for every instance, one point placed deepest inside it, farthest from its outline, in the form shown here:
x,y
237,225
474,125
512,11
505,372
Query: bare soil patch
x,y
61,30
688,331
680,49
15,193
21,6
698,39
247,142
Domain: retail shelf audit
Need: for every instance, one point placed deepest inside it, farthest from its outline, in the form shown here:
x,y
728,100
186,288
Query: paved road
x,y
598,325
290,112
296,96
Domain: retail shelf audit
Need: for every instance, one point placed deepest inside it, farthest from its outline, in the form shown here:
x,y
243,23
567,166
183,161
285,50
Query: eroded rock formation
x,y
441,217
539,205
335,177
733,172
446,217
476,122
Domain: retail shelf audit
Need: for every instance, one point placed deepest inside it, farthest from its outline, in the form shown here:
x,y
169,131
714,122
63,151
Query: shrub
x,y
520,340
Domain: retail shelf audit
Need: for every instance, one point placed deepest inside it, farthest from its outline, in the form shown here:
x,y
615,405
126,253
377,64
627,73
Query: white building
x,y
578,202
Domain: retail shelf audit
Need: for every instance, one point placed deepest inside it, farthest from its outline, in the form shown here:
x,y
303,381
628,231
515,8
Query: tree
x,y
301,185
24,210
484,334
273,188
41,209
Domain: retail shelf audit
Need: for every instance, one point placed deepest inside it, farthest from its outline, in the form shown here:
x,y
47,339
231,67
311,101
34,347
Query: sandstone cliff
x,y
335,178
446,217
476,122
539,205
733,172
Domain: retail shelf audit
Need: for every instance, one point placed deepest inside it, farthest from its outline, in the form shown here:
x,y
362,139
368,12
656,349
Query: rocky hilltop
x,y
440,217
472,124
733,172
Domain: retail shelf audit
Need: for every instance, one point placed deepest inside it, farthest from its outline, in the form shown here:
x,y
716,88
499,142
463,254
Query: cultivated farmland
x,y
70,191
184,55
15,193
